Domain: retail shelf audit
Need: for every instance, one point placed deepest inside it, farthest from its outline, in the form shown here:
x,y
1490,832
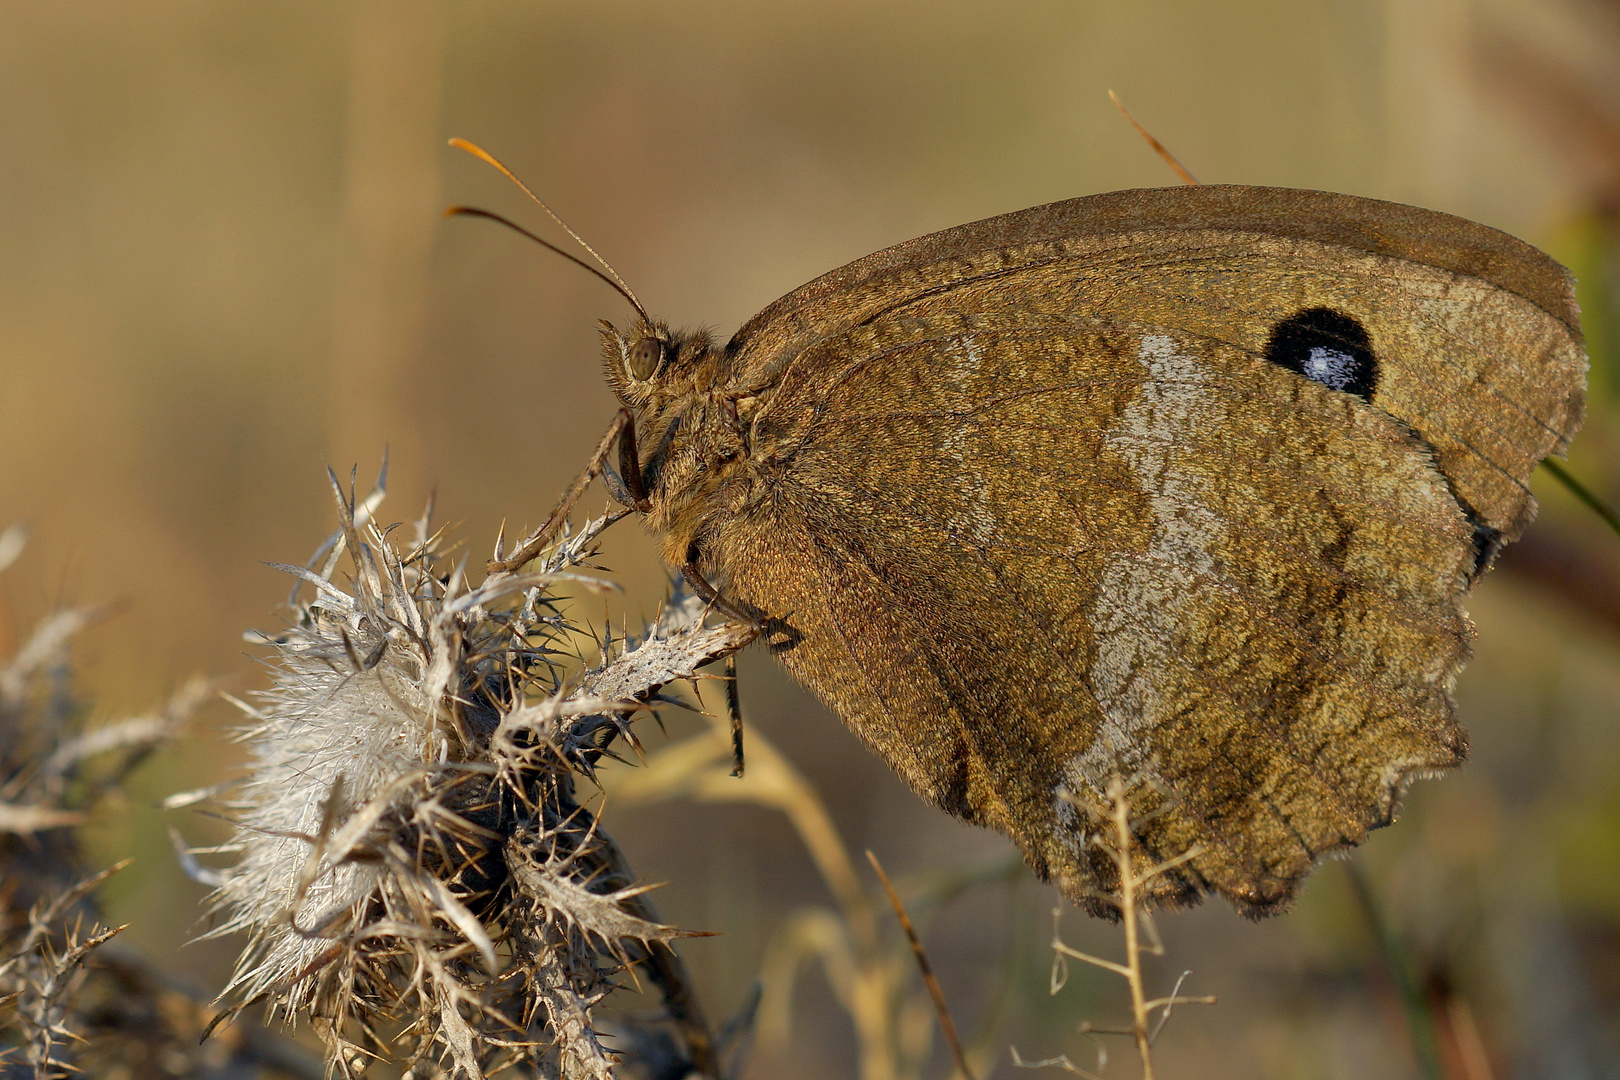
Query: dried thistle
x,y
69,1001
415,872
42,976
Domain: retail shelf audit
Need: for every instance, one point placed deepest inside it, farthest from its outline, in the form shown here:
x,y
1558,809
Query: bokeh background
x,y
222,266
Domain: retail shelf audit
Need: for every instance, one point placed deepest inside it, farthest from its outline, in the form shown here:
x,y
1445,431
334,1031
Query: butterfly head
x,y
675,385
651,363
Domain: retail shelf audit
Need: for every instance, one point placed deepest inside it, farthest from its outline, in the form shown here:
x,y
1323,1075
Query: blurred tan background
x,y
222,265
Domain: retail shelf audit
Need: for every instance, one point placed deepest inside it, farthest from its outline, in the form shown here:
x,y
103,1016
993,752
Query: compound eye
x,y
646,358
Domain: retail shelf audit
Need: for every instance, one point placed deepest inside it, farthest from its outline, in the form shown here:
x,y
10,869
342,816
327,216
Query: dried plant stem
x,y
871,985
851,944
1118,841
689,769
1129,882
941,1010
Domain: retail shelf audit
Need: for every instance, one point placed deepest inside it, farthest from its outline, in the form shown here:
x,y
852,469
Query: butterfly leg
x,y
621,428
630,463
734,707
636,487
711,596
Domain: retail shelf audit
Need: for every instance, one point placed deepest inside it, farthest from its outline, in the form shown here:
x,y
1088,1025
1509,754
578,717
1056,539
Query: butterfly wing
x,y
1042,502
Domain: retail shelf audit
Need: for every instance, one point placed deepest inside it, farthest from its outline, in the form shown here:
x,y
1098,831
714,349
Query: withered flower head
x,y
415,872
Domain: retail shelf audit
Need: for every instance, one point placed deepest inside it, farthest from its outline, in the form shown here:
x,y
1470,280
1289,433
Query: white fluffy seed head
x,y
332,736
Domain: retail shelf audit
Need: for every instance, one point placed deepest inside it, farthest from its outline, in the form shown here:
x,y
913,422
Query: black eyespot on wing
x,y
1328,347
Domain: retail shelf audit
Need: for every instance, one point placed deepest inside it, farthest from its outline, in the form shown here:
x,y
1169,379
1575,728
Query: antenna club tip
x,y
476,151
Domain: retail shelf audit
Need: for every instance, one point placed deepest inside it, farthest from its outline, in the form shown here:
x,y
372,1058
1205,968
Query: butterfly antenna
x,y
473,211
611,277
1158,147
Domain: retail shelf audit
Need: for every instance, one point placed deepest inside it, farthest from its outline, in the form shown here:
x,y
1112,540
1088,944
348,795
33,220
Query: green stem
x,y
1420,1027
1580,491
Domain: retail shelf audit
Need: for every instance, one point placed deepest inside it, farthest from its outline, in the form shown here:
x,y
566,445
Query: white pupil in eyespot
x,y
1330,367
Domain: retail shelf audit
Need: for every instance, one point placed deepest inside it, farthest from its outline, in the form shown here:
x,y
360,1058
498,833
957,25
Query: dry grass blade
x,y
1158,148
1420,1020
941,1010
1602,509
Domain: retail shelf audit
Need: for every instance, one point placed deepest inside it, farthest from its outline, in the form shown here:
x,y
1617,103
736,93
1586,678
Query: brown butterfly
x,y
1186,486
